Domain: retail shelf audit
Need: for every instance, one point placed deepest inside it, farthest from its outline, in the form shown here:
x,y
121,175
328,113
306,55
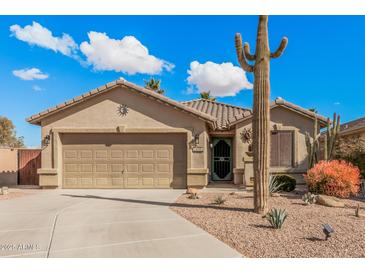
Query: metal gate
x,y
222,159
29,160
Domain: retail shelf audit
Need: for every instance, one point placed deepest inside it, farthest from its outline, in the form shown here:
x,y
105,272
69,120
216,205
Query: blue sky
x,y
322,67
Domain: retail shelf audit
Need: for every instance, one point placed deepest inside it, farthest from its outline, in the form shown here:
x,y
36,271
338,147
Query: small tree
x,y
206,95
154,84
8,134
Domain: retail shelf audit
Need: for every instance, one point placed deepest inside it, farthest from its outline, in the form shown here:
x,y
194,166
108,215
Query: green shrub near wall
x,y
287,182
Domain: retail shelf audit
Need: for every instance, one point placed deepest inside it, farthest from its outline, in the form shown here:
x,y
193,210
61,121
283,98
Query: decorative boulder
x,y
329,201
4,190
191,190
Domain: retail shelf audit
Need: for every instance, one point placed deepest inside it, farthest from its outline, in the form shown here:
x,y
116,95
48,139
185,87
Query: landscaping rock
x,y
329,201
4,190
191,190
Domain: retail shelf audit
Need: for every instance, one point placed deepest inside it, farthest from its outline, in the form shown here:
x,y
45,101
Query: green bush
x,y
287,183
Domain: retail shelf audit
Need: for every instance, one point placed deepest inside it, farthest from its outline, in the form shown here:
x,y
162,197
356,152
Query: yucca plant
x,y
219,200
274,184
276,217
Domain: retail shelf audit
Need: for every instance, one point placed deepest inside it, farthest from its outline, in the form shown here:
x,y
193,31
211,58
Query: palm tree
x,y
154,84
206,95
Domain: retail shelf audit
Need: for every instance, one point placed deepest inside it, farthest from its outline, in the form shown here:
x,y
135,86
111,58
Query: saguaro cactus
x,y
261,106
331,136
313,144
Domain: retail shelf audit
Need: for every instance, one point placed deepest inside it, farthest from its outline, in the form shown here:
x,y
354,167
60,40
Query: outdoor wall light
x,y
47,140
196,139
327,230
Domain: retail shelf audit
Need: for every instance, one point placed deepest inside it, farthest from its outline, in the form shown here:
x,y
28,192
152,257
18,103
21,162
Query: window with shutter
x,y
282,148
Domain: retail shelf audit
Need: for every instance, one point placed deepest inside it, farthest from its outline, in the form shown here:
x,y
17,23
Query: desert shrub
x,y
287,183
335,178
219,200
194,196
309,198
276,217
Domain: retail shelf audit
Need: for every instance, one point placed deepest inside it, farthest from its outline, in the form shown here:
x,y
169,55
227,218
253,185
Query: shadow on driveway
x,y
159,203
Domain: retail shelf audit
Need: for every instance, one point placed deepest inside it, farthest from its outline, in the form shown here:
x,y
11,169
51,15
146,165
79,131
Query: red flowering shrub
x,y
334,178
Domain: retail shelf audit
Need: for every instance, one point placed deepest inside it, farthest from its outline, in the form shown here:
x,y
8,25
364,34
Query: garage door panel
x,y
131,154
164,168
116,154
132,181
101,155
70,154
147,168
86,167
148,180
86,154
147,154
117,168
72,167
86,181
122,163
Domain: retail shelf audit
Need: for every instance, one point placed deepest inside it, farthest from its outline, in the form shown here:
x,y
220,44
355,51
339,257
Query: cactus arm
x,y
325,148
240,54
246,51
309,146
281,48
335,130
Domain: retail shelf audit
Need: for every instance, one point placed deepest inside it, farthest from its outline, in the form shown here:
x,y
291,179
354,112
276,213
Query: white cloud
x,y
37,88
220,79
30,74
337,103
38,35
127,55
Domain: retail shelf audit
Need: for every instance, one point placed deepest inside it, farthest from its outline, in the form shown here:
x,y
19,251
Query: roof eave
x,y
36,119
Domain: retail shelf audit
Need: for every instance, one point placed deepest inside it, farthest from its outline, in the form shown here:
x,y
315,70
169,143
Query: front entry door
x,y
222,159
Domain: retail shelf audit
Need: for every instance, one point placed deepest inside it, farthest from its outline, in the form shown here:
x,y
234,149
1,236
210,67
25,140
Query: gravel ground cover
x,y
237,225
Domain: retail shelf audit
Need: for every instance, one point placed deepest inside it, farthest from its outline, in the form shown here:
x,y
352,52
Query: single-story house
x,y
122,135
351,136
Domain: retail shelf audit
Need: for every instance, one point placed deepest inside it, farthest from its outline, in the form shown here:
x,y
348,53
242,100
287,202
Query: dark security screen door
x,y
222,159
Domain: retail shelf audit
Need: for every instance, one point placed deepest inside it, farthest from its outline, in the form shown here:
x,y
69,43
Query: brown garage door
x,y
124,160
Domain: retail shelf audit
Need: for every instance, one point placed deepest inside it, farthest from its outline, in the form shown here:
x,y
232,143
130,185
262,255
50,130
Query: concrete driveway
x,y
102,223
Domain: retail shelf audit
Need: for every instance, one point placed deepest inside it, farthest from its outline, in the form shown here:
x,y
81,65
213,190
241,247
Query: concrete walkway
x,y
102,223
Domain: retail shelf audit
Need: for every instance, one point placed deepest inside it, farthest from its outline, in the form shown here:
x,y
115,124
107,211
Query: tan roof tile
x,y
224,113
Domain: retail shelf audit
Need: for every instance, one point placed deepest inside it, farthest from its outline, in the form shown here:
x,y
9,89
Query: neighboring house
x,y
354,128
121,135
351,136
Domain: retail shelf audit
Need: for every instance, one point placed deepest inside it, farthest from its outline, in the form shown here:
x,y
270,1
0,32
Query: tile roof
x,y
352,125
281,102
219,115
35,119
224,113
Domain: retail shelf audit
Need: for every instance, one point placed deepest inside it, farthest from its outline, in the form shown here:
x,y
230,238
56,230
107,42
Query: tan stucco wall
x,y
144,115
8,166
283,119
